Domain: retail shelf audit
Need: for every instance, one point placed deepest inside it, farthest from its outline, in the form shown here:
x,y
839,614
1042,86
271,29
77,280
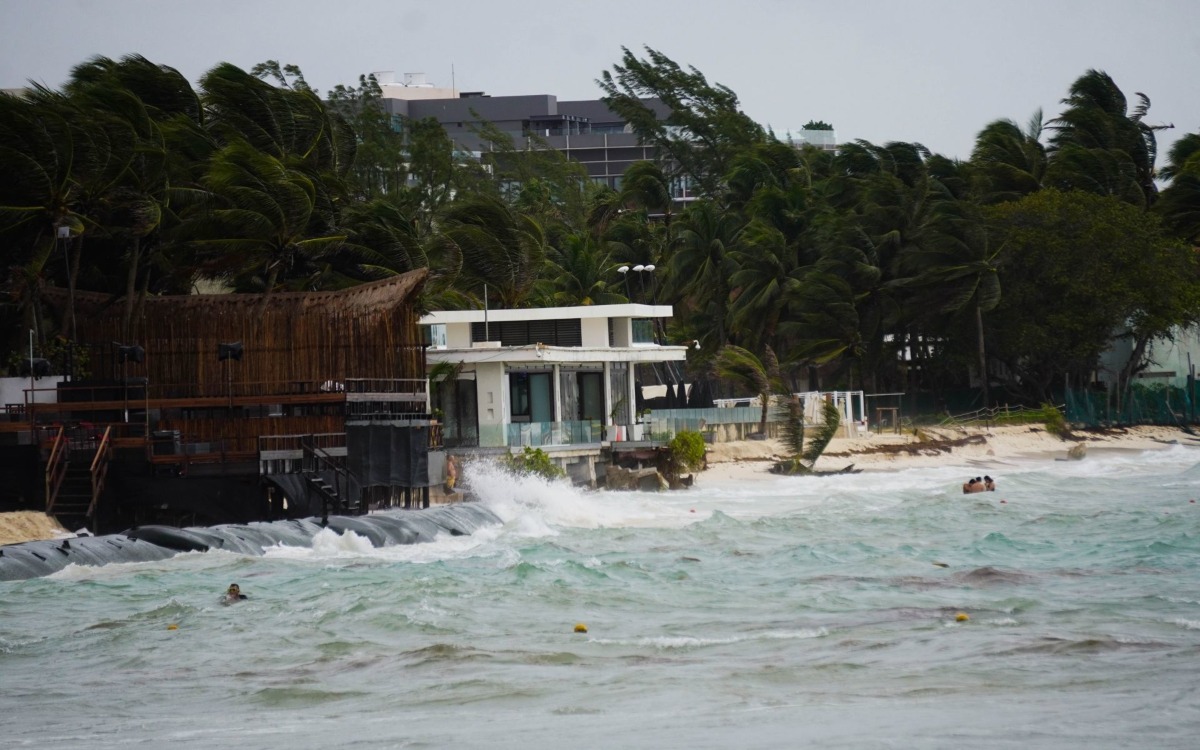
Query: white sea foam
x,y
669,642
1188,624
535,507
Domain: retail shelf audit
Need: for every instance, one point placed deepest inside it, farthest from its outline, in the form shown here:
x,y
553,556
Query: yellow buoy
x,y
172,626
580,627
962,617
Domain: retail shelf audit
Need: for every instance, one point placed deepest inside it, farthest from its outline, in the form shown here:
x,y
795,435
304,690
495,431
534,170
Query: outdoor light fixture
x,y
639,268
229,351
648,267
623,269
132,353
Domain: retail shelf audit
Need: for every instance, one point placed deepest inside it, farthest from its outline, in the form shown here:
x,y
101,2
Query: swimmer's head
x,y
234,589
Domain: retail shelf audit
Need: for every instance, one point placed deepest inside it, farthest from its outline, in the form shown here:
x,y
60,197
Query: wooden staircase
x,y
75,481
73,505
333,498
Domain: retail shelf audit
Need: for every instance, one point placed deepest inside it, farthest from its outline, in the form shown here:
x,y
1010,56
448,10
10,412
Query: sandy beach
x,y
28,525
978,447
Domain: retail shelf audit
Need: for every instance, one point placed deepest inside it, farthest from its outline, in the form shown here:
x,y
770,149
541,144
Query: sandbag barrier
x,y
149,543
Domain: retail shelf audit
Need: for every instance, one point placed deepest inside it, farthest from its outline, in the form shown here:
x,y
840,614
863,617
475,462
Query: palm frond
x,y
824,434
793,429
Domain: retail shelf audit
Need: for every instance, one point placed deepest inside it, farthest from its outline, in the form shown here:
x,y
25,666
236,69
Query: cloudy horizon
x,y
931,71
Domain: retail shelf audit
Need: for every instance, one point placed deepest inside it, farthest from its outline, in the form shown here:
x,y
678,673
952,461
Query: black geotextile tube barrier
x,y
146,543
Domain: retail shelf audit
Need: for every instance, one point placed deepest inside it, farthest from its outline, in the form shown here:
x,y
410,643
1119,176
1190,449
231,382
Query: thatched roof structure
x,y
367,331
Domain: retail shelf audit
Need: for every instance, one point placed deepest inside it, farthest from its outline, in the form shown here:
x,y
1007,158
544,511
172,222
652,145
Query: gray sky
x,y
933,71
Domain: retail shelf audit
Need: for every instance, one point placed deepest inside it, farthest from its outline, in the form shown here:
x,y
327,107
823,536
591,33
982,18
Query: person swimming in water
x,y
233,594
989,484
973,485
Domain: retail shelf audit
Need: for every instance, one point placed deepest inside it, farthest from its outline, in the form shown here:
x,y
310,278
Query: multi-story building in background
x,y
586,131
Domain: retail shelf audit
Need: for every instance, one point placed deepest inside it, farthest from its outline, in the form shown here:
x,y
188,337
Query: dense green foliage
x,y
687,451
884,267
533,461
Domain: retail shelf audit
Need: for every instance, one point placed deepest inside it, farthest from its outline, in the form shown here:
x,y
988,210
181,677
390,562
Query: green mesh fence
x,y
1162,405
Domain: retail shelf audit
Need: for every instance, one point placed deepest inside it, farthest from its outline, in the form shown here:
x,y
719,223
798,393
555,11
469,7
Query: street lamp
x,y
624,271
649,268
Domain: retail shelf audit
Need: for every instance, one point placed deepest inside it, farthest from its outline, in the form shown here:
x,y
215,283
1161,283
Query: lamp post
x,y
624,271
226,353
127,354
32,395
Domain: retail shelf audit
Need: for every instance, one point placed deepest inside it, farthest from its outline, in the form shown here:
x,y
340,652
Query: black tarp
x,y
385,454
701,395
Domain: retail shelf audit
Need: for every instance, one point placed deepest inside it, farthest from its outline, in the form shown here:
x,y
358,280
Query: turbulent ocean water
x,y
787,612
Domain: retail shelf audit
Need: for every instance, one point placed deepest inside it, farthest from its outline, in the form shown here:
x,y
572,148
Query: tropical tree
x,y
1077,269
758,376
955,273
697,127
1007,162
265,226
1179,204
581,273
1098,145
500,248
380,166
700,267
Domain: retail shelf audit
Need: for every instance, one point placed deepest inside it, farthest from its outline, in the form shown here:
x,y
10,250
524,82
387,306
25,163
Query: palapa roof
x,y
374,296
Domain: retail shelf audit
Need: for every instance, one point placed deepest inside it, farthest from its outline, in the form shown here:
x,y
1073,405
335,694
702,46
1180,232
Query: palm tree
x,y
265,225
955,272
500,248
766,269
67,160
1008,162
1098,146
581,273
1179,204
37,195
758,376
700,266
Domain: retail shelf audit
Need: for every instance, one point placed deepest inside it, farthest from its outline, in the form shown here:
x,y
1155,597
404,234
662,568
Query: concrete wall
x,y
594,332
490,384
622,332
458,335
12,390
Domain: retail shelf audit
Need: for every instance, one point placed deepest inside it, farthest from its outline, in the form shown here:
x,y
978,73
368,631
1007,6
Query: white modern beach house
x,y
556,377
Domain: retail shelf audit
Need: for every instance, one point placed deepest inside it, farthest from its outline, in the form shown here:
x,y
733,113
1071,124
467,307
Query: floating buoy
x,y
694,510
580,627
172,626
1004,501
962,617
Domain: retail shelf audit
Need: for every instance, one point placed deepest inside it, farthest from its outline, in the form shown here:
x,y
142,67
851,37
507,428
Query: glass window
x,y
643,331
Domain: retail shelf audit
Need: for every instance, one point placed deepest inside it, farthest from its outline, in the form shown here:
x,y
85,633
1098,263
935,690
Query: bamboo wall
x,y
368,331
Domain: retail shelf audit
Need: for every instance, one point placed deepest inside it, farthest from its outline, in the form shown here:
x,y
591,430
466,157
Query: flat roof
x,y
629,310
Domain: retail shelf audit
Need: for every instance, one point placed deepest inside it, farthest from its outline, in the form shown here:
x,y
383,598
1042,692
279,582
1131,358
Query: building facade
x,y
559,376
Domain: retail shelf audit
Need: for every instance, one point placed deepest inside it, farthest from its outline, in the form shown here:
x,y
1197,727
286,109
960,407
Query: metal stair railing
x,y
56,468
313,461
99,470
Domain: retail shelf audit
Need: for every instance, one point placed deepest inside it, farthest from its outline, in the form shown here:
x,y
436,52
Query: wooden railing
x,y
100,470
56,468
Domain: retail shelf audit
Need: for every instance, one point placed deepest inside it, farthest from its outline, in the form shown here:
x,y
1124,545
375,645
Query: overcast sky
x,y
932,71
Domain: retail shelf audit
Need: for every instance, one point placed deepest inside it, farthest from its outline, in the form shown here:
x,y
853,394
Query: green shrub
x,y
686,451
1056,423
533,461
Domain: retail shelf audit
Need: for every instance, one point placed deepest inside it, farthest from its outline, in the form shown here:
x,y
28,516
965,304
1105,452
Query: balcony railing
x,y
554,433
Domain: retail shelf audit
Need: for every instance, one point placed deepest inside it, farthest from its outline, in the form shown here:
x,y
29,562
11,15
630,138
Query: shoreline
x,y
973,448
